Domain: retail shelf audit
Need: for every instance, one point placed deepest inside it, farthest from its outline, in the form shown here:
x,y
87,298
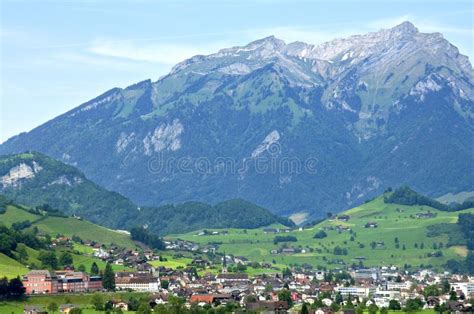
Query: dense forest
x,y
466,226
406,196
143,236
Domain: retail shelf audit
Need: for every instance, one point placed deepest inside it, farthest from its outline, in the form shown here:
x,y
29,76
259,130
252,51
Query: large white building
x,y
355,291
467,288
144,282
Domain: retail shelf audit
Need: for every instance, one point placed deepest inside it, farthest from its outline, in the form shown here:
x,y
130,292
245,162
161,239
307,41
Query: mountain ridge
x,y
361,117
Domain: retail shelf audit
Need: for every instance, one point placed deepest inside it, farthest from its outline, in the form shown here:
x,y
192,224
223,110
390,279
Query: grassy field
x,y
392,223
83,300
85,230
68,227
14,214
10,267
172,262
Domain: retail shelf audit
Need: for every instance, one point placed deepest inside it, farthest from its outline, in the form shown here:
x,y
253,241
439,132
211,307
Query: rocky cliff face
x,y
293,127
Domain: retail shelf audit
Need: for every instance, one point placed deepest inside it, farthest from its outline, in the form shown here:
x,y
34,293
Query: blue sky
x,y
56,55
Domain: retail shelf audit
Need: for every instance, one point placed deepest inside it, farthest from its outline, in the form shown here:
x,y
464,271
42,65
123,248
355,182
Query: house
x,y
34,309
343,217
66,308
347,311
40,282
276,307
371,224
119,305
224,278
427,215
270,230
210,299
324,310
288,250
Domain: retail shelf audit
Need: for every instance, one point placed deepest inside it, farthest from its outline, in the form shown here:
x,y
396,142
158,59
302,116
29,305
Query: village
x,y
210,284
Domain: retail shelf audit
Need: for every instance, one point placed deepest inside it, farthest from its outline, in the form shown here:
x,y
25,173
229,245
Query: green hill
x,y
14,265
10,267
66,226
191,216
404,235
35,179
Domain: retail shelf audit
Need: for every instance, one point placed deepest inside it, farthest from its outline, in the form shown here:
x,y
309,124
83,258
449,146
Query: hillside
x,y
417,238
194,216
35,179
65,226
289,126
16,264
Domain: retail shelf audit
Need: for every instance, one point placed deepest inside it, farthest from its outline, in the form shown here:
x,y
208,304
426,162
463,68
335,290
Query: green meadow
x,y
396,223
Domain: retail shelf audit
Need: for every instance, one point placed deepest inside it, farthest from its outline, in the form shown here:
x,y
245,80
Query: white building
x,y
467,288
355,291
140,284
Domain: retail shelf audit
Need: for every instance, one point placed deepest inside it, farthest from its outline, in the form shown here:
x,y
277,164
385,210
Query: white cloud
x,y
165,53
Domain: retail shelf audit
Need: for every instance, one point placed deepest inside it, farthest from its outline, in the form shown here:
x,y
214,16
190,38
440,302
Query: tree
x,y
453,295
373,308
65,259
431,291
48,259
304,309
53,307
144,308
285,295
394,305
338,298
445,287
94,269
133,304
413,305
22,253
176,304
320,234
16,290
97,301
165,284
76,310
384,310
349,304
81,268
108,279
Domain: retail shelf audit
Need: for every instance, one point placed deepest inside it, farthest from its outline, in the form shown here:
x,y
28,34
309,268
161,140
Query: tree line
x,y
152,240
406,196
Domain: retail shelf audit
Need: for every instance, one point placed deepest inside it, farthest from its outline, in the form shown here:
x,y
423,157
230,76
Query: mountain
x,y
291,127
35,179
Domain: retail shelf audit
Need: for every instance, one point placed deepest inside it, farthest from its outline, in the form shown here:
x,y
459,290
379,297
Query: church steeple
x,y
224,264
